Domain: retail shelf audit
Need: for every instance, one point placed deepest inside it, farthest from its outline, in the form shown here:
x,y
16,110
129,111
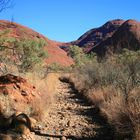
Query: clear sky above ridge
x,y
67,20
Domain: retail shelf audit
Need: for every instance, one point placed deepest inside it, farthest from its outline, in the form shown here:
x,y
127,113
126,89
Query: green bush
x,y
33,54
80,58
121,71
24,54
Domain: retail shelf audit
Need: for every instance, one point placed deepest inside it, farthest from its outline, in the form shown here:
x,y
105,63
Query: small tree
x,y
78,55
25,54
32,54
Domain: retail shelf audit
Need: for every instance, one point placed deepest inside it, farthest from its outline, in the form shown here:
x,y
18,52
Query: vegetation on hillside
x,y
22,57
79,57
113,85
24,54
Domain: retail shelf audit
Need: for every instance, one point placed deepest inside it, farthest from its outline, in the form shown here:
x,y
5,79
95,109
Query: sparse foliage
x,y
80,58
4,4
25,54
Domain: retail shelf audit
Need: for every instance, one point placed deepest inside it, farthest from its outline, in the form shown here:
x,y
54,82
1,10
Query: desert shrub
x,y
6,105
121,71
129,65
121,114
95,74
109,84
79,57
54,67
114,108
133,107
38,109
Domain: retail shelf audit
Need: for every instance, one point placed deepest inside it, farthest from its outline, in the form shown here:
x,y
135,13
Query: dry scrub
x,y
46,87
40,96
113,85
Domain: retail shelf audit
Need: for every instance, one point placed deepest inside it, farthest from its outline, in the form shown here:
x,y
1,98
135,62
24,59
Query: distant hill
x,y
113,36
56,54
96,35
126,36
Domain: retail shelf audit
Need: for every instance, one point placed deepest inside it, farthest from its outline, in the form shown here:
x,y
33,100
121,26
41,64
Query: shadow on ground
x,y
92,113
105,131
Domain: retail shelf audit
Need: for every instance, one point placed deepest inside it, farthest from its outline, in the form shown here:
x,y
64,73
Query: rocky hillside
x,y
113,36
55,53
127,36
95,36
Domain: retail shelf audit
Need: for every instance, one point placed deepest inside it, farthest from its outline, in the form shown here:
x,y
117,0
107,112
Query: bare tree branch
x,y
4,4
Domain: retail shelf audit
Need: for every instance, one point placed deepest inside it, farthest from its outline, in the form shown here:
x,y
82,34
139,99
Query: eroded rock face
x,y
9,78
16,94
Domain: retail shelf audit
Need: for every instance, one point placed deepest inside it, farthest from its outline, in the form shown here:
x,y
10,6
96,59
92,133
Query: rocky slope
x,y
127,36
56,55
96,35
112,37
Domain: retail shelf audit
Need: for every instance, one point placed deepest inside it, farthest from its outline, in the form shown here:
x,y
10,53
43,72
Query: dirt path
x,y
72,117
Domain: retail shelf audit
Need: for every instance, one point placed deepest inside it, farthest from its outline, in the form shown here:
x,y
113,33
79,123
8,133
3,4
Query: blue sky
x,y
67,20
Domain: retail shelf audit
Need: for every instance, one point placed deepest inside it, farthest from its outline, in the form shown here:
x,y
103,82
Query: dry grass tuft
x,y
113,86
47,88
38,110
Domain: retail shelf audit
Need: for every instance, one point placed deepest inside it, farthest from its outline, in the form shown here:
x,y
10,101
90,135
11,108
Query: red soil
x,y
56,55
18,89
